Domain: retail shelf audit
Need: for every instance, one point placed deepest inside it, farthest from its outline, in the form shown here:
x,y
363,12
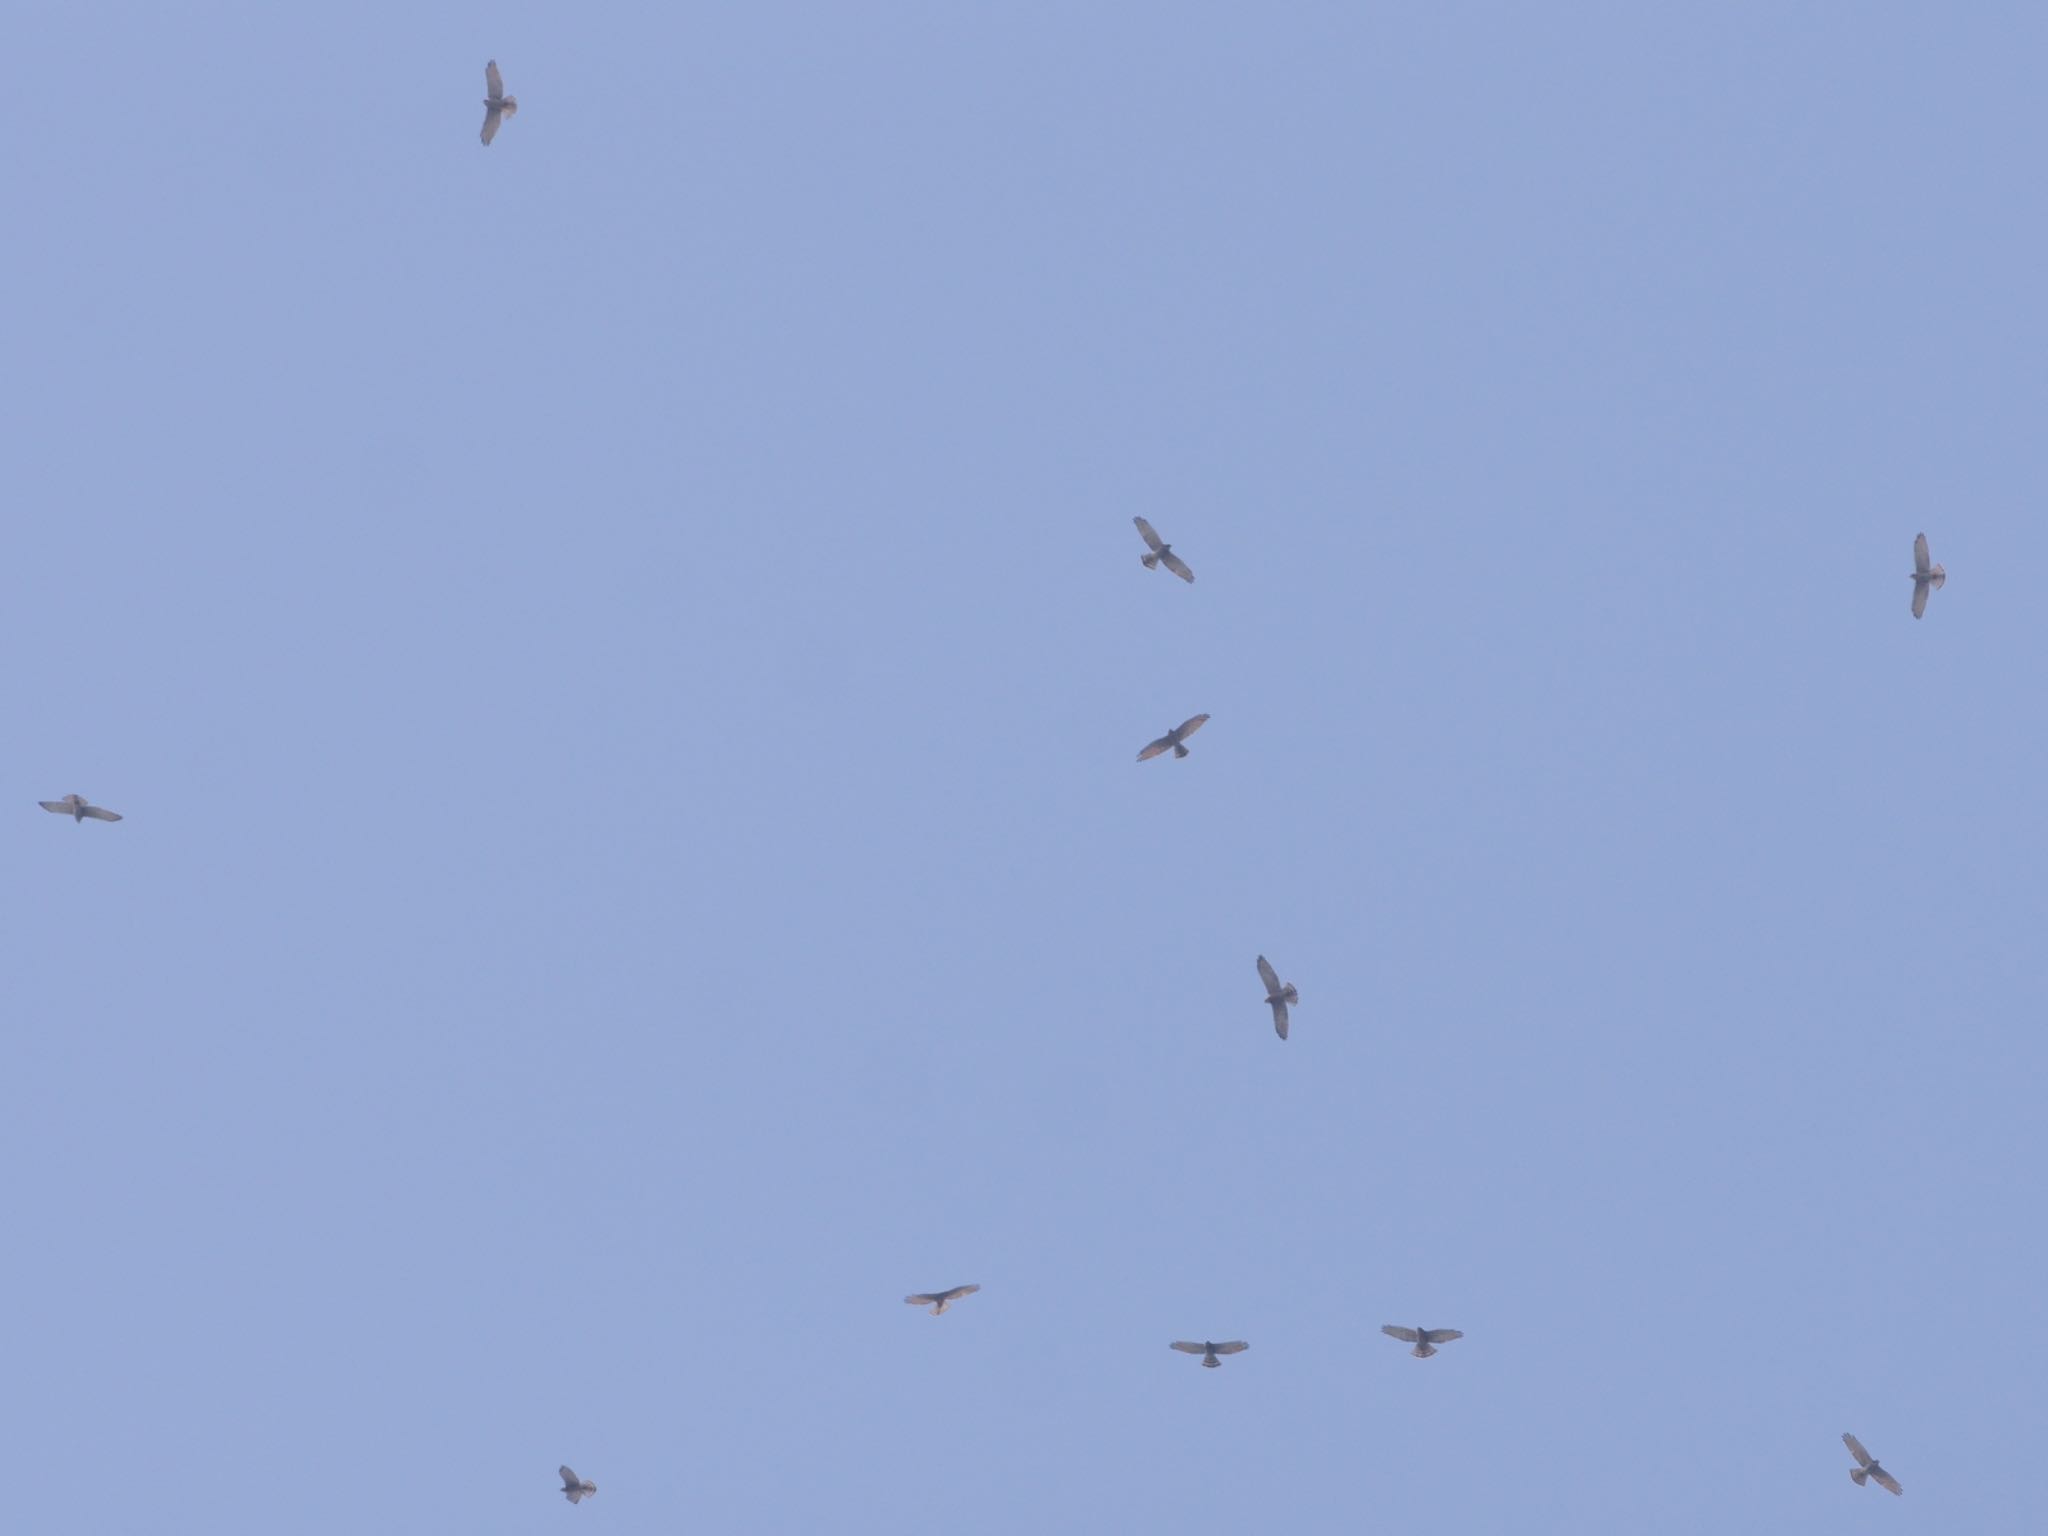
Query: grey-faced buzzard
x,y
497,105
938,1301
1209,1351
1161,553
1425,1340
1277,996
1868,1468
574,1489
1926,576
1174,738
77,809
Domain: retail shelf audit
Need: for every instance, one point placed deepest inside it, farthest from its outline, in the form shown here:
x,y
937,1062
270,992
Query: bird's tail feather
x,y
1858,1476
1424,1351
1150,562
1179,751
1289,995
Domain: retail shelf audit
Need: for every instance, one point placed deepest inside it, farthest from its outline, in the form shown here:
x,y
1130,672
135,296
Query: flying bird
x,y
1868,1467
1161,553
1425,1340
1278,996
1209,1351
574,1489
76,808
497,105
1925,576
938,1301
1174,738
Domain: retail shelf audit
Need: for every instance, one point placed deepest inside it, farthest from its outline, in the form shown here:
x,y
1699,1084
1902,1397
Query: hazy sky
x,y
622,655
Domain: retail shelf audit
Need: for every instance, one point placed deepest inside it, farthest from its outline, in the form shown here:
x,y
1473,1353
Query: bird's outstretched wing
x,y
1236,1347
492,117
61,807
924,1299
1178,566
494,83
101,813
1921,562
1145,532
1920,598
1280,1018
1440,1335
1154,748
1395,1331
1885,1480
1269,976
1192,724
1863,1457
1188,1349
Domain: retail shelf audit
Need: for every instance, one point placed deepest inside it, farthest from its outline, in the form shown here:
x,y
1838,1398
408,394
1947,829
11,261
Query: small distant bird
x,y
1425,1340
1209,1351
1174,738
1278,996
574,1489
1868,1467
1162,553
1925,576
497,105
76,808
938,1301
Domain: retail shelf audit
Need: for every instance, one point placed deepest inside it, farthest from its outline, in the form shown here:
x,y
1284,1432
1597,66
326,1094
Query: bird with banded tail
x,y
938,1301
1926,575
1160,553
1868,1468
1209,1351
1425,1340
78,808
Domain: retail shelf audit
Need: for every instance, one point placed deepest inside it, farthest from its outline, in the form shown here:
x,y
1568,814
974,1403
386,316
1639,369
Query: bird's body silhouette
x,y
938,1301
1209,1351
574,1488
1926,575
1425,1340
497,105
78,808
1277,996
1868,1468
1174,738
1160,553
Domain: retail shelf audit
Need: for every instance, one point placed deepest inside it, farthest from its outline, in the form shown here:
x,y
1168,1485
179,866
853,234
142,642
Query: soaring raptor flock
x,y
1279,996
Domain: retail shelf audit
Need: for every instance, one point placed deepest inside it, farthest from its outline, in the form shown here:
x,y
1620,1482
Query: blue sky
x,y
621,655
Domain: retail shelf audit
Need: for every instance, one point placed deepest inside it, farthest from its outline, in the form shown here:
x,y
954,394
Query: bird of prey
x,y
1277,996
938,1301
497,105
76,808
1161,553
1425,1340
1174,738
1925,576
1209,1351
575,1489
1868,1467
